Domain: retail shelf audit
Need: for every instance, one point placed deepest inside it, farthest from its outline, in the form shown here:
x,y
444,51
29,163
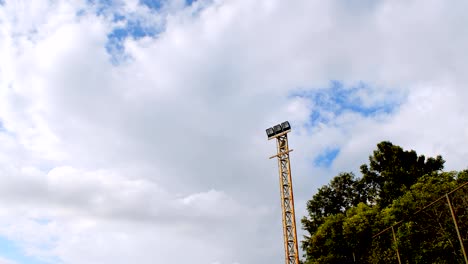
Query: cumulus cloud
x,y
134,133
5,261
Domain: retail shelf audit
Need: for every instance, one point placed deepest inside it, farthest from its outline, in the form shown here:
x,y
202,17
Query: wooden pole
x,y
396,246
456,228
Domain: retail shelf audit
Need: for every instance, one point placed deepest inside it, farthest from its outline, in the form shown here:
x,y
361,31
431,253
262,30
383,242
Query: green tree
x,y
344,215
328,244
358,228
391,171
341,194
428,236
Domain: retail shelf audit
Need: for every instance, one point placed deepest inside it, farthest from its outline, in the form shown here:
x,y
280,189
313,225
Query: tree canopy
x,y
344,215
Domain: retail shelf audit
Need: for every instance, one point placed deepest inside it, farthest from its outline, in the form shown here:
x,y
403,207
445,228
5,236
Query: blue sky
x,y
134,27
339,99
158,4
325,159
11,251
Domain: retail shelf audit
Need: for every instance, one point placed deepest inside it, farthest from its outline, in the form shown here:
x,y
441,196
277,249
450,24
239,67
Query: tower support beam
x,y
287,197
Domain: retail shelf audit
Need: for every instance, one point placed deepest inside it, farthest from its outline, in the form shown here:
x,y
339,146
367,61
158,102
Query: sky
x,y
134,131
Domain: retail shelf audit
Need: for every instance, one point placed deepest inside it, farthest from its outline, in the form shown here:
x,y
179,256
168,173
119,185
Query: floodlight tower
x,y
280,132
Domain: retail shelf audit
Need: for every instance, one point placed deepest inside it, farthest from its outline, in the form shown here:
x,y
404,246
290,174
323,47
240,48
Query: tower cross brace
x,y
287,198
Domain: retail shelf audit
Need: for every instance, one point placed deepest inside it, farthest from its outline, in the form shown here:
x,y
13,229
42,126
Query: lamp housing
x,y
270,132
277,129
285,126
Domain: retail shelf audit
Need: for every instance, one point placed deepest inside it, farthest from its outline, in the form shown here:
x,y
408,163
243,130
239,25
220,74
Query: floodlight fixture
x,y
270,132
277,129
282,128
285,126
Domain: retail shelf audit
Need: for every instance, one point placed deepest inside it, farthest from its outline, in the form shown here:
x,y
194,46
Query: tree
x,y
328,244
428,236
342,193
358,228
391,171
345,214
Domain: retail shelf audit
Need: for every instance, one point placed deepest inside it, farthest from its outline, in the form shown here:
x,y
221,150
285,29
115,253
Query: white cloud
x,y
163,157
6,261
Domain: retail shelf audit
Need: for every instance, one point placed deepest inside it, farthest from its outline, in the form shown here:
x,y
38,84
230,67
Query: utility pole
x,y
280,132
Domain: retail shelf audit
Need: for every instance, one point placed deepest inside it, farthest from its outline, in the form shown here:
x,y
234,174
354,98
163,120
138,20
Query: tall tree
x,y
342,193
344,215
392,170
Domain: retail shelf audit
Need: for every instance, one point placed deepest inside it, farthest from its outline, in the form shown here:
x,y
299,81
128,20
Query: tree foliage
x,y
392,171
344,215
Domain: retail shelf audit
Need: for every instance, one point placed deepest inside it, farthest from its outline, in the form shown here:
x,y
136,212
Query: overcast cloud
x,y
134,131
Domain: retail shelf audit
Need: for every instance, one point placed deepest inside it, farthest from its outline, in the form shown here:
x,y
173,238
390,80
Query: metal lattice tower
x,y
287,198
